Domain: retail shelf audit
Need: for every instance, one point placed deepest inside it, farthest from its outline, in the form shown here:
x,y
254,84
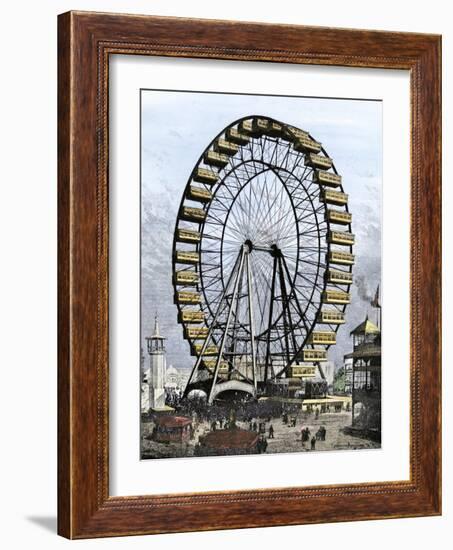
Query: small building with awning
x,y
171,428
228,442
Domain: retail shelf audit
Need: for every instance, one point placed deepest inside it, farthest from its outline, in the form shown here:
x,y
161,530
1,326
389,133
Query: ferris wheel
x,y
262,258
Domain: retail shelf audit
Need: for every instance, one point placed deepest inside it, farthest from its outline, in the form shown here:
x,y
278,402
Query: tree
x,y
339,380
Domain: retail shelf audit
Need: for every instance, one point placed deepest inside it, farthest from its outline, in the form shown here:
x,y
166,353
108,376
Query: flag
x,y
375,300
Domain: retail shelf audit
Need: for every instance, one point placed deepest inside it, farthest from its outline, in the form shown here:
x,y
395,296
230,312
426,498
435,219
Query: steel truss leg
x,y
251,318
321,372
284,303
271,311
211,328
224,336
235,326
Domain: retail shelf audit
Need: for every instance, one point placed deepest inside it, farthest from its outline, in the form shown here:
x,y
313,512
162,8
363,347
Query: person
x,y
271,432
305,435
294,421
323,431
313,443
316,412
319,435
262,444
255,426
214,426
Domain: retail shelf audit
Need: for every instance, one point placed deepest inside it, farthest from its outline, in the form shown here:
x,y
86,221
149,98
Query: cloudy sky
x,y
178,126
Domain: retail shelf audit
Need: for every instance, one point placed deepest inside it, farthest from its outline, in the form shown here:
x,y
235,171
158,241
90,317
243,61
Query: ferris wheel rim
x,y
320,250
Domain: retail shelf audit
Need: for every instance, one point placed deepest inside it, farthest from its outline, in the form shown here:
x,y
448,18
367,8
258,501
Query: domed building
x,y
171,378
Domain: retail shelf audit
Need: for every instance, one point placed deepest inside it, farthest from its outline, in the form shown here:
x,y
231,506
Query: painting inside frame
x,y
260,274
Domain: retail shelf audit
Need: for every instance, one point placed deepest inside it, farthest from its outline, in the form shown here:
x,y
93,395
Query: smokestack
x,y
363,289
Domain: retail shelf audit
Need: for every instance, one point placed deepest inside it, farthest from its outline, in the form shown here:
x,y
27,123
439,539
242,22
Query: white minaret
x,y
156,381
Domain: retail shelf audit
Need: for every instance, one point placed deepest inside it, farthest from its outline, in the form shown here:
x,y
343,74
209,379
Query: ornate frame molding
x,y
86,40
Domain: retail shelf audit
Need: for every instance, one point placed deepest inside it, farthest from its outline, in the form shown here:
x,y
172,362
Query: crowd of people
x,y
264,423
173,397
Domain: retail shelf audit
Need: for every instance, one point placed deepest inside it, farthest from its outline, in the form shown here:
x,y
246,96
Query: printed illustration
x,y
261,274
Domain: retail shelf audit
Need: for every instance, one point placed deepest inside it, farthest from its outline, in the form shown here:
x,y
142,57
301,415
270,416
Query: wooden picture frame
x,y
85,42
